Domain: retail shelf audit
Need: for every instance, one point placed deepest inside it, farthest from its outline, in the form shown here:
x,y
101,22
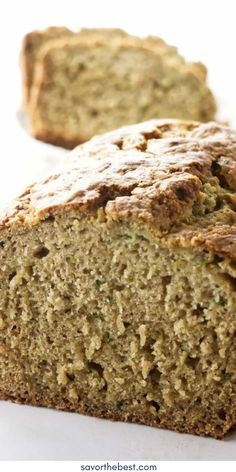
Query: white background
x,y
203,30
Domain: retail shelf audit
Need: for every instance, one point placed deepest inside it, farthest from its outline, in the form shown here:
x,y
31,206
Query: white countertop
x,y
28,433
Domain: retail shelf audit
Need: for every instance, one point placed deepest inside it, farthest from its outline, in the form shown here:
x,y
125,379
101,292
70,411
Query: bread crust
x,y
157,172
57,139
103,412
29,42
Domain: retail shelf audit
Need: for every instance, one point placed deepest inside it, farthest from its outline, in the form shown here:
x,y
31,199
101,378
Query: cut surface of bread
x,y
31,46
118,277
34,42
96,80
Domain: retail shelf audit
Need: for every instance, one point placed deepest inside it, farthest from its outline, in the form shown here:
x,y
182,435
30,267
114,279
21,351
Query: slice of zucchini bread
x,y
34,41
118,281
96,80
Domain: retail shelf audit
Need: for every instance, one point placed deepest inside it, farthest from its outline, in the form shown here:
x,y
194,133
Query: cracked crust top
x,y
177,176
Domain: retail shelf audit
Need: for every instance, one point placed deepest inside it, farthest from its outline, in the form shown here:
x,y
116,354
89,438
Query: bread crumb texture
x,y
118,281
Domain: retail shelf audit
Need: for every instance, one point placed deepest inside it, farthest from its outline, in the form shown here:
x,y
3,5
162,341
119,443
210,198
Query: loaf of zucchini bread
x,y
118,281
80,84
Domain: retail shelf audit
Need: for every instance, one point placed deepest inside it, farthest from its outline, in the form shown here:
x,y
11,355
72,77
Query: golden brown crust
x,y
66,142
179,177
141,170
103,181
